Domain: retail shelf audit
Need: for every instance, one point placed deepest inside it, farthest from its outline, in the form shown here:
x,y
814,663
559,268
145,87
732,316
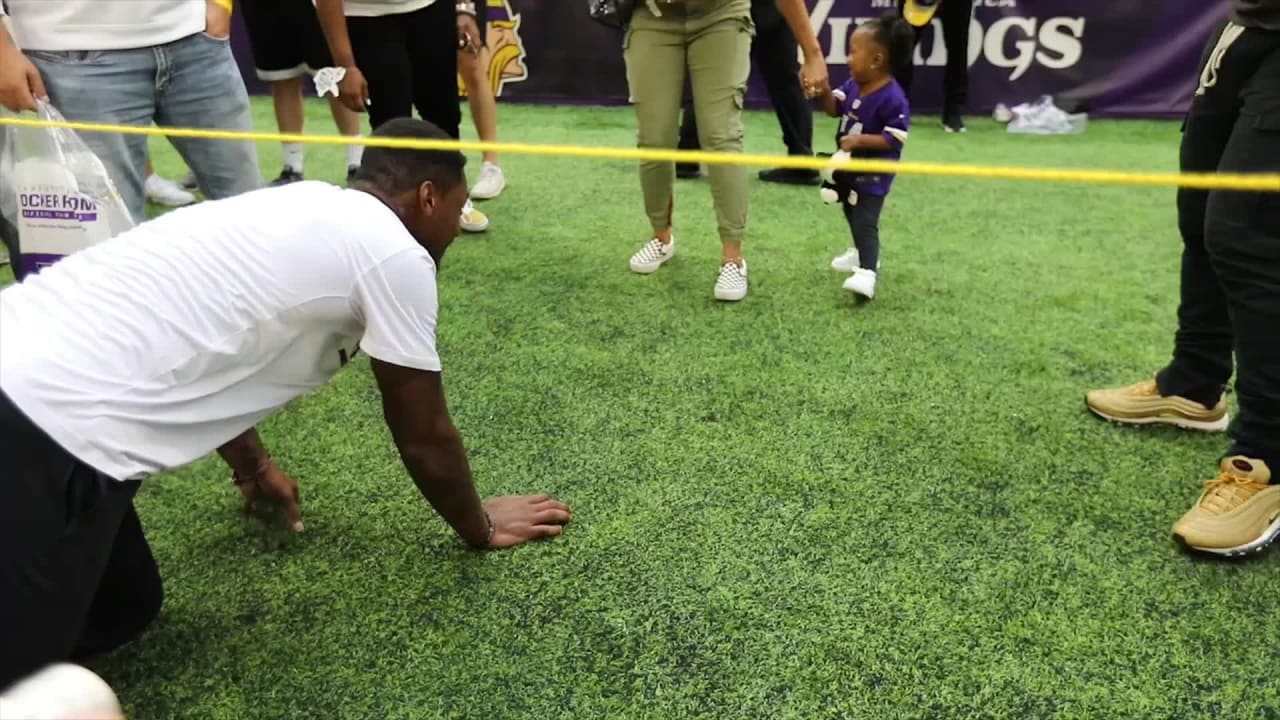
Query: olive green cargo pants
x,y
712,40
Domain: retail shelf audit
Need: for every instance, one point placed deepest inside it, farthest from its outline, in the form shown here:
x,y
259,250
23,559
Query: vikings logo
x,y
506,51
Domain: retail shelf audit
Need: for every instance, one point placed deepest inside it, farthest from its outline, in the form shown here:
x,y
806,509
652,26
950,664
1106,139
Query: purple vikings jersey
x,y
884,112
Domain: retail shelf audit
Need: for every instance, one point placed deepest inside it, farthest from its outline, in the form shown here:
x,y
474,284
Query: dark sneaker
x,y
288,175
791,176
953,122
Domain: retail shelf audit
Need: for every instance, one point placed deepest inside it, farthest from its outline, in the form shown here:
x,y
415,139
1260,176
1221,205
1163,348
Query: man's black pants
x,y
954,16
77,577
774,51
410,60
1231,242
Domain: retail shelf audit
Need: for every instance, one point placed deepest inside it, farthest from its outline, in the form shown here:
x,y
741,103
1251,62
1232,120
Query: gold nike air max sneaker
x,y
1237,513
1142,404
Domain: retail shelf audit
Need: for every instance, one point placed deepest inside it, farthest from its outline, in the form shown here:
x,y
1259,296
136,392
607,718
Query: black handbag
x,y
612,13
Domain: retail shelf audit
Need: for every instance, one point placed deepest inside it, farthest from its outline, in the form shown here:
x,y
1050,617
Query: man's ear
x,y
427,196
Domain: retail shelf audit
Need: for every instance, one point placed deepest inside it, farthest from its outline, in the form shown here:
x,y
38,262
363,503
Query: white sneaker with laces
x,y
491,183
848,262
163,191
732,283
653,255
862,282
473,221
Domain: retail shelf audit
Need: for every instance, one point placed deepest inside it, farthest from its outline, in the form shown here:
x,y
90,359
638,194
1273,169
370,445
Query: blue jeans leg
x,y
199,86
115,87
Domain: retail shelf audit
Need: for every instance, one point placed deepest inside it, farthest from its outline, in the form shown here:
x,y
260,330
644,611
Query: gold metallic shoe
x,y
1142,404
1237,513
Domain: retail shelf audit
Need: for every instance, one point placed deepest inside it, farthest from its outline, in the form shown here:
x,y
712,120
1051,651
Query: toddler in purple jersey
x,y
874,117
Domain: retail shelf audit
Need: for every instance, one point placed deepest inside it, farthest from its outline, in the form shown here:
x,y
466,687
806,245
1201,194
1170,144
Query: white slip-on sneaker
x,y
163,191
862,282
732,283
651,257
491,183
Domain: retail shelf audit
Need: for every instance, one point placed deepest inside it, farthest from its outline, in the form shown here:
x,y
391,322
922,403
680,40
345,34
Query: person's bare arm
x,y
813,76
830,105
414,407
849,143
353,90
258,476
20,81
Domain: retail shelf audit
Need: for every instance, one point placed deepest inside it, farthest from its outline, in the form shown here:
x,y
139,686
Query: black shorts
x,y
77,577
285,38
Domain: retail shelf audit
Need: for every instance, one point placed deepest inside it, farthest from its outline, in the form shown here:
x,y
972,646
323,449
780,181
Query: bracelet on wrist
x,y
488,540
465,8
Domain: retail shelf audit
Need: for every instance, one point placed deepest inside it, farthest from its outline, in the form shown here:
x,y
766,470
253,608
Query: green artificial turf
x,y
791,507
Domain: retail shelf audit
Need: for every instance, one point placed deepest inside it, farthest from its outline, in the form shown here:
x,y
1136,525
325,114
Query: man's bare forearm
x,y
333,20
245,454
440,470
797,16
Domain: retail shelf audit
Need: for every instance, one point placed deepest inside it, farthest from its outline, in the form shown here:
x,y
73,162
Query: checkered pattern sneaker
x,y
653,255
732,283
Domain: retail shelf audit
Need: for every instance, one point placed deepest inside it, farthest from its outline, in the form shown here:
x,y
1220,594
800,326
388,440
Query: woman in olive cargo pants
x,y
712,40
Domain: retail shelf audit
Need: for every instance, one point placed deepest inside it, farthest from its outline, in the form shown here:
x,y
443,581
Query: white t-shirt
x,y
152,349
378,8
70,25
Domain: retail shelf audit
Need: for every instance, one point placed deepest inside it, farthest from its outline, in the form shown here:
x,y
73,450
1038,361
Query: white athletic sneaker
x,y
163,191
848,262
862,282
653,255
732,283
473,221
491,183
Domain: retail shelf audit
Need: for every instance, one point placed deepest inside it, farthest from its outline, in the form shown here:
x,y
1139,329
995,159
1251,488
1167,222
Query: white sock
x,y
293,156
355,153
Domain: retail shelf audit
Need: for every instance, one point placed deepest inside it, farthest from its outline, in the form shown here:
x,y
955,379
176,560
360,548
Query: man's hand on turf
x,y
269,491
518,519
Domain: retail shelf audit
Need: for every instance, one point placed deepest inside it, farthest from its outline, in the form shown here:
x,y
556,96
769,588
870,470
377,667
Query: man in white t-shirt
x,y
152,349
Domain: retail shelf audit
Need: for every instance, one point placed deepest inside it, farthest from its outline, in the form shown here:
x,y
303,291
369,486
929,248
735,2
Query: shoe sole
x,y
489,195
1252,547
1208,426
731,295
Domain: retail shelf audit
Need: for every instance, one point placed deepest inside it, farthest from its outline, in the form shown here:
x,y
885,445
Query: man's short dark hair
x,y
399,170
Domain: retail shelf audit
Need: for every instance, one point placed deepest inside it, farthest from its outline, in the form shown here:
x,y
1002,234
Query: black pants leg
x,y
1242,236
774,51
864,224
1231,256
9,236
76,575
433,53
954,15
381,49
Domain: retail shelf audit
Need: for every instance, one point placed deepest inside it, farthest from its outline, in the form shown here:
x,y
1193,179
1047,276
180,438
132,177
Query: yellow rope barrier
x,y
1269,182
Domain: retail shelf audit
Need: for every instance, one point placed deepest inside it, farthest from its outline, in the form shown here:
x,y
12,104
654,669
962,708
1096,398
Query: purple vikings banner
x,y
1118,58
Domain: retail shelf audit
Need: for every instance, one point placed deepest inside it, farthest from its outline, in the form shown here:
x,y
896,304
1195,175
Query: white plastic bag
x,y
57,192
